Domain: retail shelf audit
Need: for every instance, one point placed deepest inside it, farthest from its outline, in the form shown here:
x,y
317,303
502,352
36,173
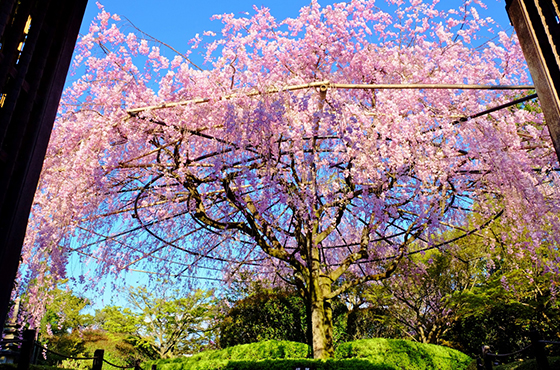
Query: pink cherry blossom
x,y
268,165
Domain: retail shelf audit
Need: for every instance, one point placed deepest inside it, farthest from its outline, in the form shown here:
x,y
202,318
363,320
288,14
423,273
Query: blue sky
x,y
177,21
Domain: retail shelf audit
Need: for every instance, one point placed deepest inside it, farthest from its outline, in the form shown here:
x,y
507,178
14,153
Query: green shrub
x,y
367,354
269,349
403,354
218,359
287,364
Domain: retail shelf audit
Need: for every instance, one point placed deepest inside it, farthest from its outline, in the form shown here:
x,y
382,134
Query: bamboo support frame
x,y
324,85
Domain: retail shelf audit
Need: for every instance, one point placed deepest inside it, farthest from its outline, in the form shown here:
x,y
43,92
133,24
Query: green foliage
x,y
368,323
483,289
245,352
63,312
67,344
511,296
71,333
502,326
415,301
115,319
72,364
165,326
365,354
120,349
263,315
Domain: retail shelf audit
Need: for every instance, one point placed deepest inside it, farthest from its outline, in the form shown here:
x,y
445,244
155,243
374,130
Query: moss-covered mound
x,y
403,354
370,354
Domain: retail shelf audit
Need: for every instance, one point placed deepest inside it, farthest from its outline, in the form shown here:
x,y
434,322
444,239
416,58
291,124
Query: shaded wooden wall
x,y
37,38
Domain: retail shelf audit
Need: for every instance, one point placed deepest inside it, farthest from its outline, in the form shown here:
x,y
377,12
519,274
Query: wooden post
x,y
98,359
538,350
479,364
486,358
154,367
137,365
26,351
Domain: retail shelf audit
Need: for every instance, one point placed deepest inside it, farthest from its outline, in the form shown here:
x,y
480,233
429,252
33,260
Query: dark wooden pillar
x,y
37,39
537,23
27,349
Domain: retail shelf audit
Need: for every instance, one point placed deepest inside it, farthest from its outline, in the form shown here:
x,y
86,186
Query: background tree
x,y
168,326
64,312
418,300
372,321
255,310
514,293
62,324
277,314
66,329
471,293
270,162
120,349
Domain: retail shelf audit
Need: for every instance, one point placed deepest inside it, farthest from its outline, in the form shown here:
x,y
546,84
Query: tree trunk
x,y
308,322
318,290
321,323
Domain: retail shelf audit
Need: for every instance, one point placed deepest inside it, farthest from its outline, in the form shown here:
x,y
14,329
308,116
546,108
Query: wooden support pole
x,y
98,359
26,351
538,350
486,358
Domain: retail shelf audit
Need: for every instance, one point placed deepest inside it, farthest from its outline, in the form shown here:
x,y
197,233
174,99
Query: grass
x,y
368,354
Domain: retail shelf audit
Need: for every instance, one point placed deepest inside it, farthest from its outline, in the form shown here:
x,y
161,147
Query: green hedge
x,y
265,350
249,353
403,354
367,354
293,364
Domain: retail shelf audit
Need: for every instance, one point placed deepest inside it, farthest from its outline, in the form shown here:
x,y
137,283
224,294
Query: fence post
x,y
136,364
538,350
98,359
26,351
479,363
486,358
154,367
